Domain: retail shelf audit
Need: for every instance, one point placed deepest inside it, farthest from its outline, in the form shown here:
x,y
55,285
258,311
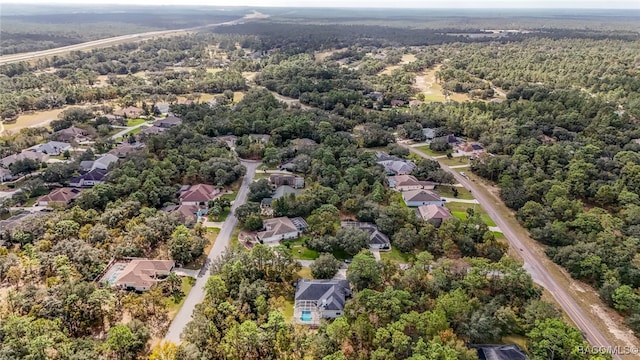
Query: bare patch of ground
x,y
626,336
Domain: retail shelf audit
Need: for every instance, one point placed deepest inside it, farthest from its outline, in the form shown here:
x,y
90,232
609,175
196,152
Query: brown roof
x,y
129,111
277,226
186,212
428,212
142,272
61,195
199,193
420,195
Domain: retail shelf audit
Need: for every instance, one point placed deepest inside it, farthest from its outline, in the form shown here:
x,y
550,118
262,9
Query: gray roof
x,y
429,133
105,160
499,352
420,195
328,294
284,190
167,122
86,165
52,147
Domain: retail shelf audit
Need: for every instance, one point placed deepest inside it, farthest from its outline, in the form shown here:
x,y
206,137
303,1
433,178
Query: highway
x,y
196,295
532,263
13,58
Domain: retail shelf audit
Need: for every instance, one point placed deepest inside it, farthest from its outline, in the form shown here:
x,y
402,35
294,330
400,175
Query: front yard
x,y
172,306
448,192
299,250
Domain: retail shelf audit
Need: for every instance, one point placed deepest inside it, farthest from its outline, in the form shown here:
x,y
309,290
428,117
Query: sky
x,y
473,4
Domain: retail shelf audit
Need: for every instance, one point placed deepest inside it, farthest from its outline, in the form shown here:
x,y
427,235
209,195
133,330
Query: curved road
x,y
13,58
196,295
531,262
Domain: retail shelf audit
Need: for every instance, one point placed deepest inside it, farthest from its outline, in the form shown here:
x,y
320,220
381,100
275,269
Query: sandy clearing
x,y
626,336
35,119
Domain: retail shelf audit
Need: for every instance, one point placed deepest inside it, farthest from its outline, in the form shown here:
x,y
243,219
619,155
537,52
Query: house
x,y
86,165
499,352
137,274
199,194
278,229
394,165
163,108
429,133
104,161
377,240
397,103
168,122
302,144
452,140
408,182
61,196
93,177
375,96
5,175
71,134
434,214
129,112
421,197
32,155
319,299
151,130
289,180
415,103
126,149
187,213
53,148
261,137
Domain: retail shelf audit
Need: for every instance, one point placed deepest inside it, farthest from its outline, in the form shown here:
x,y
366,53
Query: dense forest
x,y
561,146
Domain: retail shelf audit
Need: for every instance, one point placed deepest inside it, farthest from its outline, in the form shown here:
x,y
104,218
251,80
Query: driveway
x,y
127,129
196,295
466,201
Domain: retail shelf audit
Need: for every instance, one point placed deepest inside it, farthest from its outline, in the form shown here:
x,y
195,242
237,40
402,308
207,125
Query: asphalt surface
x,y
196,295
13,58
531,262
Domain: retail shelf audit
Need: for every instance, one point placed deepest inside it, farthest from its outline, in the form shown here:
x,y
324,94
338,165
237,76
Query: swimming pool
x,y
306,315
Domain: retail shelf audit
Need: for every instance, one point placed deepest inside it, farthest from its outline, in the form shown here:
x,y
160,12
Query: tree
x,y
166,350
245,210
253,222
625,299
364,272
325,267
352,240
259,190
181,245
120,340
554,340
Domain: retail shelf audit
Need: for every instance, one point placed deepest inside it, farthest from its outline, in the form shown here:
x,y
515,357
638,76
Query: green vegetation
x,y
396,256
299,249
454,192
174,306
459,210
135,122
427,150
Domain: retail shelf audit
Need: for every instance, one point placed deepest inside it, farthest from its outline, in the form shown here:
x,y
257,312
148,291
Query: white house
x,y
278,229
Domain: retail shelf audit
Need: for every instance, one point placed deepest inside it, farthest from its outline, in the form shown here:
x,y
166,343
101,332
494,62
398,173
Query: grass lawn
x,y
396,196
222,217
287,310
455,161
234,243
447,191
135,122
459,210
231,196
211,235
136,130
31,201
498,235
172,306
396,256
299,250
425,149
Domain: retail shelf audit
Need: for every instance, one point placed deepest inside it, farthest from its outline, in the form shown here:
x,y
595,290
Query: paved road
x,y
8,59
531,263
196,295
